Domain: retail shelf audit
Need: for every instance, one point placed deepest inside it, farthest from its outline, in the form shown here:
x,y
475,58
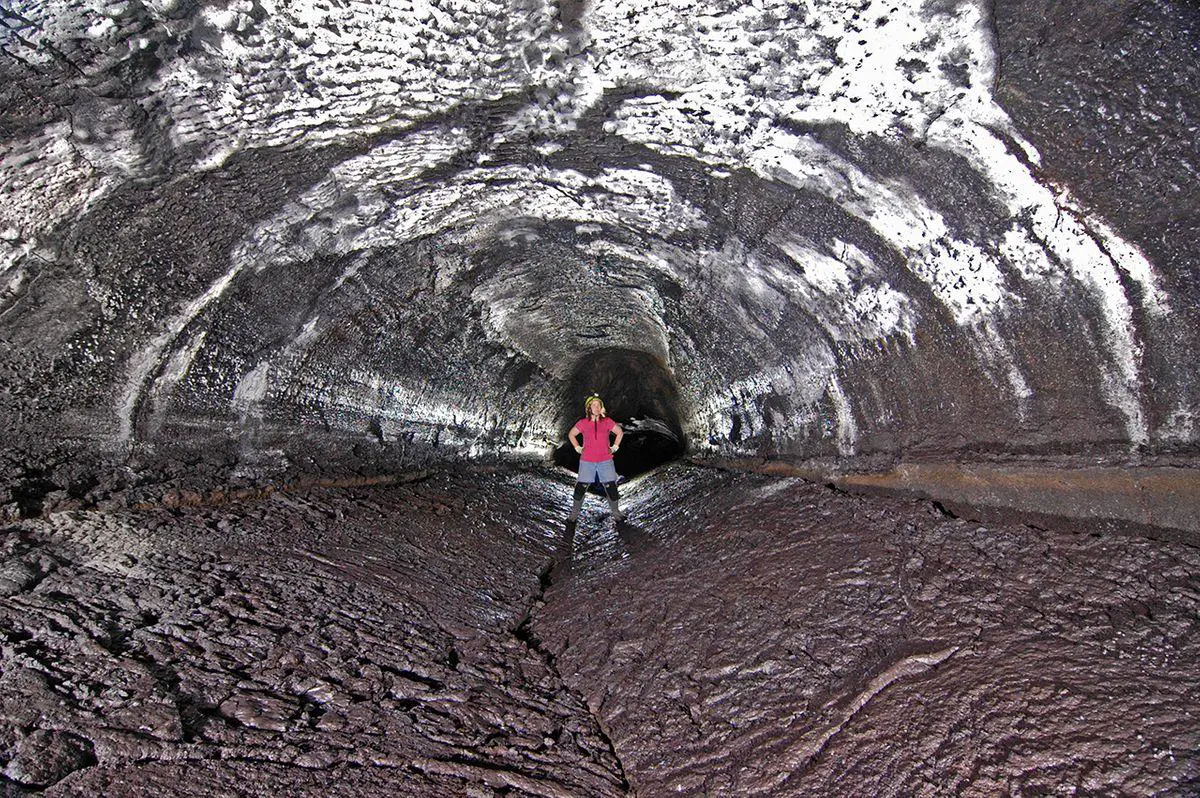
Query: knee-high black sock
x,y
610,489
580,490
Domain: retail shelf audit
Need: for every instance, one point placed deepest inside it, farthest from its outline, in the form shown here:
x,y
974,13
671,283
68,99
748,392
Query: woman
x,y
595,455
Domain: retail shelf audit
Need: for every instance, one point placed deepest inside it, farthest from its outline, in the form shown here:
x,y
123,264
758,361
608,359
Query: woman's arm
x,y
620,433
575,440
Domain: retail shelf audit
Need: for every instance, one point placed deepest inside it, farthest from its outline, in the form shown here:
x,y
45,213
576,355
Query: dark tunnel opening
x,y
640,394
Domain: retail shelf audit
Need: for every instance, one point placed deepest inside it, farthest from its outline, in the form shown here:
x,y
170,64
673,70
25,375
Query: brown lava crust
x,y
745,634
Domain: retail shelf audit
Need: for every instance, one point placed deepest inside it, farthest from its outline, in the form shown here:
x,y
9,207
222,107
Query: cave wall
x,y
285,237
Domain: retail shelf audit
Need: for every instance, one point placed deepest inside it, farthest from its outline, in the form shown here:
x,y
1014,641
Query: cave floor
x,y
743,634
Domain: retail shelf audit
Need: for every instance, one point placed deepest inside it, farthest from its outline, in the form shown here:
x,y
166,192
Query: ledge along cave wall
x,y
943,248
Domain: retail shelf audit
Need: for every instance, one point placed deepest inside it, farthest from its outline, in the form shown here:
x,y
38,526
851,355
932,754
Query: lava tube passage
x,y
640,394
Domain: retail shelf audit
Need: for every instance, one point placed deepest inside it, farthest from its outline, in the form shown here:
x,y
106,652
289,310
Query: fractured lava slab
x,y
747,634
755,635
361,642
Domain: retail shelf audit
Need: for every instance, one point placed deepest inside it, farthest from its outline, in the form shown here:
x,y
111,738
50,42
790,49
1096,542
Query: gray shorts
x,y
589,471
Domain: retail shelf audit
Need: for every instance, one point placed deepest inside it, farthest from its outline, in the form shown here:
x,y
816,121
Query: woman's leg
x,y
608,475
580,490
614,499
587,473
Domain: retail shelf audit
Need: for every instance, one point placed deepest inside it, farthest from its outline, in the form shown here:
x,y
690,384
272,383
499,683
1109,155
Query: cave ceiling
x,y
843,227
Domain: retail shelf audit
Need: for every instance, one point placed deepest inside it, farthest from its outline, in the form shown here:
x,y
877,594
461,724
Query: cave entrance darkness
x,y
640,394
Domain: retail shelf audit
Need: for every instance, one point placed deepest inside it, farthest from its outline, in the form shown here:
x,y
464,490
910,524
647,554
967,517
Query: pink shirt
x,y
595,438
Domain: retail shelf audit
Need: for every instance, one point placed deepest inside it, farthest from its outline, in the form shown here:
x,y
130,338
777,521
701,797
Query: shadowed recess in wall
x,y
640,394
